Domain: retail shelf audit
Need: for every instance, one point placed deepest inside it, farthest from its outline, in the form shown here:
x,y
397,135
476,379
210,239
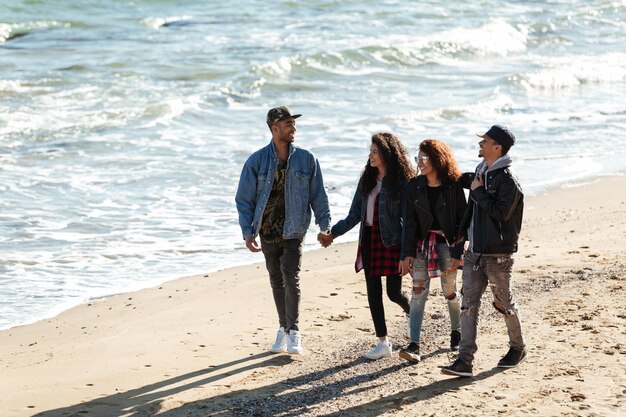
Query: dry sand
x,y
199,346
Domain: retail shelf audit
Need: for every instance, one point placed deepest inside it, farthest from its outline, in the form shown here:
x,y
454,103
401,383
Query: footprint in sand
x,y
340,317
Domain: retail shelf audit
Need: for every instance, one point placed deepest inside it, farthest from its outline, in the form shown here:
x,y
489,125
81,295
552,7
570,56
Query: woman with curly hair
x,y
434,207
377,205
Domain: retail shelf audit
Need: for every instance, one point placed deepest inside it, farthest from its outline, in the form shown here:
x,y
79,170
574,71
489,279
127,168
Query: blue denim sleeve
x,y
245,199
353,218
318,197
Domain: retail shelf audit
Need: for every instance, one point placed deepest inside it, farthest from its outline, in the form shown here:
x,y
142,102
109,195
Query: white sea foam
x,y
5,32
280,68
489,108
494,38
574,71
158,22
362,57
163,112
497,37
8,30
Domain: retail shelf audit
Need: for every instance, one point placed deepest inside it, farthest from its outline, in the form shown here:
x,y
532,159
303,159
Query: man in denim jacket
x,y
279,186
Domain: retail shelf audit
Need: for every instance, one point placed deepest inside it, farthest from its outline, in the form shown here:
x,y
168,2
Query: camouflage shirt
x,y
274,214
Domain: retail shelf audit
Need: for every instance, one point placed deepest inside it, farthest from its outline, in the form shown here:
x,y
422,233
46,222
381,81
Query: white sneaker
x,y
382,350
294,342
280,345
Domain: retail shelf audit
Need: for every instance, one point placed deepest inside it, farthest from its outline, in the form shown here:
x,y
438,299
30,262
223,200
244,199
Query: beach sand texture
x,y
199,346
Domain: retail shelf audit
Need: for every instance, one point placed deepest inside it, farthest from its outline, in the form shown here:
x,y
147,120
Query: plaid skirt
x,y
377,259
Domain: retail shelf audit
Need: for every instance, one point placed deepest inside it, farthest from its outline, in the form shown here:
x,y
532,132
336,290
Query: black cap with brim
x,y
500,134
279,113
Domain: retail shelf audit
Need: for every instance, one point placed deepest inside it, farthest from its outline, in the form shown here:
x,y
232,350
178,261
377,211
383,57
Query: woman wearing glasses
x,y
377,205
434,207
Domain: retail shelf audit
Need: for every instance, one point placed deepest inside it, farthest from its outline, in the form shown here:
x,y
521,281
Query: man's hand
x,y
477,182
325,240
406,266
251,244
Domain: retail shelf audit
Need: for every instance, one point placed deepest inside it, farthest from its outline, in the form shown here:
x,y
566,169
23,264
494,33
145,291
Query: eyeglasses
x,y
424,159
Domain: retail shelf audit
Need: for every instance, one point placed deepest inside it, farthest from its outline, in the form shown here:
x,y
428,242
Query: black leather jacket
x,y
418,216
497,209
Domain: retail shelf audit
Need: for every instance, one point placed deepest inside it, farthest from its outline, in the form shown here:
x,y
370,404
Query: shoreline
x,y
60,309
194,345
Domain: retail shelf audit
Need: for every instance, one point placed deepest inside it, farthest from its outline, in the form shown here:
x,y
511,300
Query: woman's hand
x,y
406,266
454,265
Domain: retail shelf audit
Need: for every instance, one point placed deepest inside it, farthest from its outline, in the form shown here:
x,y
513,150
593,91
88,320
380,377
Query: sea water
x,y
124,124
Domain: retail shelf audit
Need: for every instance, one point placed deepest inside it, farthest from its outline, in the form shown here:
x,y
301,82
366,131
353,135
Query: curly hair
x,y
397,163
441,159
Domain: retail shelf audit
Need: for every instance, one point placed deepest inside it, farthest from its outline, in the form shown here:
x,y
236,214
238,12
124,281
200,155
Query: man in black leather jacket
x,y
492,224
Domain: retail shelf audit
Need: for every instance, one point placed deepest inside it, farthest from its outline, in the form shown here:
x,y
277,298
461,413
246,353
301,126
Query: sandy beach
x,y
198,346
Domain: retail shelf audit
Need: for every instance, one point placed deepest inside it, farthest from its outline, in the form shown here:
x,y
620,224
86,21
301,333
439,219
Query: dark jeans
x,y
283,261
375,288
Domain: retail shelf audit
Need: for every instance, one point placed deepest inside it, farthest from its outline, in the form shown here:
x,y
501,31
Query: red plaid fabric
x,y
384,259
428,249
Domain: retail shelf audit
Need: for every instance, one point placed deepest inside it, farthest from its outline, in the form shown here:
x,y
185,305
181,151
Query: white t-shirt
x,y
371,199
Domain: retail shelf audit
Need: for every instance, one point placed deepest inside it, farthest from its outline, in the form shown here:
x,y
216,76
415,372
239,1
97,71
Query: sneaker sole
x,y
513,366
456,373
409,357
278,350
377,358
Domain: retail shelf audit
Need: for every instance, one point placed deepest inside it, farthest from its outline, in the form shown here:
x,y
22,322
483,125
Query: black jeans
x,y
375,287
283,261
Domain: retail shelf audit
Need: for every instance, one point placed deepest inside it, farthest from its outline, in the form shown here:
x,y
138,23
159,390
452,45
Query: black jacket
x,y
418,216
498,211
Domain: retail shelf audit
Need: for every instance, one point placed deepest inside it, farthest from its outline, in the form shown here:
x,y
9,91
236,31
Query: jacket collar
x,y
421,181
504,161
292,149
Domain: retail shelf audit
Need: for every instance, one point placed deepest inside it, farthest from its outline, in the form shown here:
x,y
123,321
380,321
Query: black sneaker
x,y
411,353
455,339
458,368
513,358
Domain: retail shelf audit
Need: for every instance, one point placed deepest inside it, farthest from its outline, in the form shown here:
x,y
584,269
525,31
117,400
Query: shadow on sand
x,y
293,396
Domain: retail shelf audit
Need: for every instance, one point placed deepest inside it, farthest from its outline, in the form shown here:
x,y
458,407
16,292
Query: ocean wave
x,y
159,22
574,71
496,37
385,55
497,103
9,31
9,87
163,112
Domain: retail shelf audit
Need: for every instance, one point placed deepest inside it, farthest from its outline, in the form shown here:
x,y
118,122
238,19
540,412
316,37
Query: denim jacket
x,y
304,190
389,216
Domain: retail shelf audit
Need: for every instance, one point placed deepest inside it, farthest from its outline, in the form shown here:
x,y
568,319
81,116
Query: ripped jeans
x,y
421,287
494,270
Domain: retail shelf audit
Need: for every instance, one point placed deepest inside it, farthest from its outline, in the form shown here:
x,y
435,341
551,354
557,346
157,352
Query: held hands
x,y
454,264
252,245
478,181
325,240
406,266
